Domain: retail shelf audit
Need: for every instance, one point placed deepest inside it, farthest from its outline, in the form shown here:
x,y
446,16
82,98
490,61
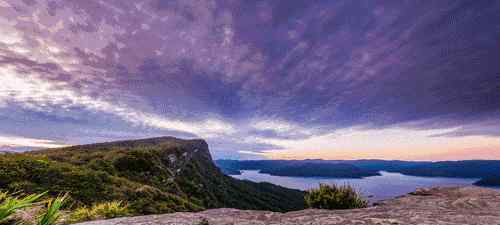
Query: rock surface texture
x,y
465,205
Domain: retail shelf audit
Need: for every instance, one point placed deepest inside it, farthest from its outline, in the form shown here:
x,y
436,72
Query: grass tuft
x,y
111,209
106,210
82,214
11,204
4,195
53,211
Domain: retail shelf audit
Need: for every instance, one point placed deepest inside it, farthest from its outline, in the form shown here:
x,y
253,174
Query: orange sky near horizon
x,y
391,144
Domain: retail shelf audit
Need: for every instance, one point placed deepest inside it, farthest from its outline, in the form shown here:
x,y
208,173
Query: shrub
x,y
334,197
106,210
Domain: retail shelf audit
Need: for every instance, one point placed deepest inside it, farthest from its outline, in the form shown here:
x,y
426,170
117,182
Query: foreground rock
x,y
466,205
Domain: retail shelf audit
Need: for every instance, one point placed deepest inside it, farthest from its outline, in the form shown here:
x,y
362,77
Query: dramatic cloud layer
x,y
301,78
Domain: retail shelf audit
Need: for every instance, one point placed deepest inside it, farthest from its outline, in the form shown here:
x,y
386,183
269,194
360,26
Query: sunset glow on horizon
x,y
390,144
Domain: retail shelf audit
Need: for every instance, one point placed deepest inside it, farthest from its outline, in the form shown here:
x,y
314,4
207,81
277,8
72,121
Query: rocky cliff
x,y
465,205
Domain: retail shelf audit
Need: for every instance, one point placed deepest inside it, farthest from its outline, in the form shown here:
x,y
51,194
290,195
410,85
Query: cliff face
x,y
457,206
158,175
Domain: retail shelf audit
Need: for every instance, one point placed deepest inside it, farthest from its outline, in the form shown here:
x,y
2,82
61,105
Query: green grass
x,y
334,197
111,209
3,195
82,214
106,210
52,213
12,204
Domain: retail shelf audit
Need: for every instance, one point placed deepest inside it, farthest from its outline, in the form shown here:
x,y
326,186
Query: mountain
x,y
363,168
155,175
463,169
337,170
296,168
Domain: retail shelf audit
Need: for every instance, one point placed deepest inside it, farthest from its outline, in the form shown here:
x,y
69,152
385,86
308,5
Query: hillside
x,y
451,206
158,175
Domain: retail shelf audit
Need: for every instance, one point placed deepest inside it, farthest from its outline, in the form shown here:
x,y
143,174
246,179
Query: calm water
x,y
377,188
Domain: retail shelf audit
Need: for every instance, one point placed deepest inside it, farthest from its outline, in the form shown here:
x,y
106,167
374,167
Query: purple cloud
x,y
213,68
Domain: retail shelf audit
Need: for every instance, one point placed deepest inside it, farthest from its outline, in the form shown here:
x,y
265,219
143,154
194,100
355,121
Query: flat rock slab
x,y
464,205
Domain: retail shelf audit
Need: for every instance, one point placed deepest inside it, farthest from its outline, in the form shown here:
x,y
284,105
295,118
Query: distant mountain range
x,y
158,175
488,170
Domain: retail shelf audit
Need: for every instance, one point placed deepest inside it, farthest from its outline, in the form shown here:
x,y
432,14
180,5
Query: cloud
x,y
278,126
39,95
251,75
8,142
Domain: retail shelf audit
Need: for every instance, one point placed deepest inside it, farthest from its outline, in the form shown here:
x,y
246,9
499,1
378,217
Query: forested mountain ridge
x,y
364,168
155,175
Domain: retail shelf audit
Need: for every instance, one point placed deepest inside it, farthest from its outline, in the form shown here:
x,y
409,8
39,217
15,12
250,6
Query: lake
x,y
376,188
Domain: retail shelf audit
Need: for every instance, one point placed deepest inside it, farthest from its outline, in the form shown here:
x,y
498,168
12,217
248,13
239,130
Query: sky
x,y
276,79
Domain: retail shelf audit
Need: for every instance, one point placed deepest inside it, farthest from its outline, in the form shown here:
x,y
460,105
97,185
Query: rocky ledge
x,y
464,205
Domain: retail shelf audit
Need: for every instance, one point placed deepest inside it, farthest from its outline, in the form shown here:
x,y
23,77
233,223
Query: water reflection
x,y
377,188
